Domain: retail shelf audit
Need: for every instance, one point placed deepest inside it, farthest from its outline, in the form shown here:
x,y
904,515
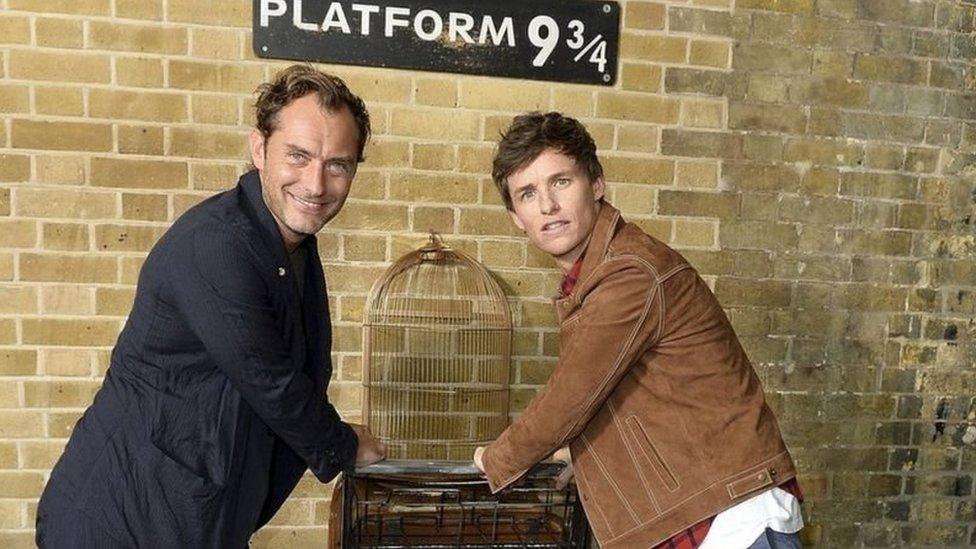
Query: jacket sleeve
x,y
618,320
228,306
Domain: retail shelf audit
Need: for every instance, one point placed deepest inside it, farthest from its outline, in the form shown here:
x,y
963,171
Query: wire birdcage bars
x,y
436,355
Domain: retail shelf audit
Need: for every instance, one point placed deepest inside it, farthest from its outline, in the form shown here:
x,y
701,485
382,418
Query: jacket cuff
x,y
499,477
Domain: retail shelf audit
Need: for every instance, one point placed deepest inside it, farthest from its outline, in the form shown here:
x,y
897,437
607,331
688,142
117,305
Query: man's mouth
x,y
554,225
308,204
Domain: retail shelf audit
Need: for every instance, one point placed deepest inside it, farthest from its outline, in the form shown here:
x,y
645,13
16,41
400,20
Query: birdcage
x,y
436,354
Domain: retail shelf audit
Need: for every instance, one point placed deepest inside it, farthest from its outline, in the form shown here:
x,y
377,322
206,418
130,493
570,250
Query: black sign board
x,y
567,41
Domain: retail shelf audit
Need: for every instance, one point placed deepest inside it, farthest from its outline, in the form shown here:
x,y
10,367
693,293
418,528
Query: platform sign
x,y
567,41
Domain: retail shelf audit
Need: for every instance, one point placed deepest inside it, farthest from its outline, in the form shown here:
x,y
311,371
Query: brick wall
x,y
815,159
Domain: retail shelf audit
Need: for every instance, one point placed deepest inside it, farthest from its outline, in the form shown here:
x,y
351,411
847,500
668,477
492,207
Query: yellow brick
x,y
194,75
503,253
4,201
62,136
114,301
14,29
63,101
294,512
475,159
375,87
713,3
199,143
434,157
126,238
88,332
487,221
139,72
139,9
634,199
698,113
452,189
40,454
14,167
668,49
328,245
694,233
387,153
12,514
215,109
351,278
436,124
235,13
130,270
21,424
17,233
183,202
602,134
67,300
8,333
641,77
213,177
437,219
18,484
482,94
59,33
60,67
112,35
18,299
696,174
364,248
59,170
637,107
145,207
155,107
211,43
369,185
644,15
141,140
14,99
638,138
66,362
710,53
437,92
658,228
6,266
368,216
66,237
629,169
140,174
65,203
570,101
61,268
74,7
17,362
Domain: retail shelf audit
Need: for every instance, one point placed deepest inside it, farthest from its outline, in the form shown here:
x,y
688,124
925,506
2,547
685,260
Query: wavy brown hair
x,y
296,82
531,134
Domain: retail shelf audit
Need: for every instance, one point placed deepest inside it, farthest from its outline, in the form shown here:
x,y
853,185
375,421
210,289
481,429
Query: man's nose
x,y
547,203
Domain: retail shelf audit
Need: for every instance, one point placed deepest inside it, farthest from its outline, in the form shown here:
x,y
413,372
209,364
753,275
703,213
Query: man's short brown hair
x,y
530,135
296,82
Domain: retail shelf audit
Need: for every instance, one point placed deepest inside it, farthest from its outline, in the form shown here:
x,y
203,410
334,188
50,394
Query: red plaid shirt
x,y
693,536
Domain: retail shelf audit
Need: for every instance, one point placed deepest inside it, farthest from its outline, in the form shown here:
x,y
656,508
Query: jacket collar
x,y
607,221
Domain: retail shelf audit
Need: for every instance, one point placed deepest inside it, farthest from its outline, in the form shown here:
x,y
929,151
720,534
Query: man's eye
x,y
339,168
527,195
296,157
561,182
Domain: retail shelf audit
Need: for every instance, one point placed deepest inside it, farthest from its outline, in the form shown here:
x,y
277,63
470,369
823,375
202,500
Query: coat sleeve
x,y
618,320
227,304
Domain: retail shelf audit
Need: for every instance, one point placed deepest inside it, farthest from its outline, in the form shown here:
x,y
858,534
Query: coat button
x,y
281,271
761,476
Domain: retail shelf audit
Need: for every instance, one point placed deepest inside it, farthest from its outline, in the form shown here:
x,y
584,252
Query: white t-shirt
x,y
739,526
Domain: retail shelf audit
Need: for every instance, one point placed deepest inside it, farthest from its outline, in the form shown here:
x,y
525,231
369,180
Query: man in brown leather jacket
x,y
671,439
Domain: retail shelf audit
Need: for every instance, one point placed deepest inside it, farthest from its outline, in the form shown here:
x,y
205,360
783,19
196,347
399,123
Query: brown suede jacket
x,y
665,418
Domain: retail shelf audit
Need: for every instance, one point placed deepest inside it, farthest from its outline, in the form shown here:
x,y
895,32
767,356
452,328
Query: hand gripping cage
x,y
436,354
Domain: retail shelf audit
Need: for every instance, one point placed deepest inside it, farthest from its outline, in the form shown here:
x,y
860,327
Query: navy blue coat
x,y
214,404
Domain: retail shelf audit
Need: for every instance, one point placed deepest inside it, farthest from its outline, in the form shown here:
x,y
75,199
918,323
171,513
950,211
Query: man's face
x,y
556,205
306,166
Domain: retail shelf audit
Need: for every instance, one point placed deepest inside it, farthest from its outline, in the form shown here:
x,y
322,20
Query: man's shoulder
x,y
631,242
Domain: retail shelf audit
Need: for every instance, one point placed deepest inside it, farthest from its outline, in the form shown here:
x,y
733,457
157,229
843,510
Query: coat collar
x,y
607,223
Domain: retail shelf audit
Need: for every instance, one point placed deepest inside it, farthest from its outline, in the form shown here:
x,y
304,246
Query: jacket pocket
x,y
650,454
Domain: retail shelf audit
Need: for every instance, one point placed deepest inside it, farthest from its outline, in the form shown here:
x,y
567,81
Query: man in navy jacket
x,y
215,404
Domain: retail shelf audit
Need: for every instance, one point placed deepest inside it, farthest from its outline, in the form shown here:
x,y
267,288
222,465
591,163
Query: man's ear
x,y
516,220
257,144
599,188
